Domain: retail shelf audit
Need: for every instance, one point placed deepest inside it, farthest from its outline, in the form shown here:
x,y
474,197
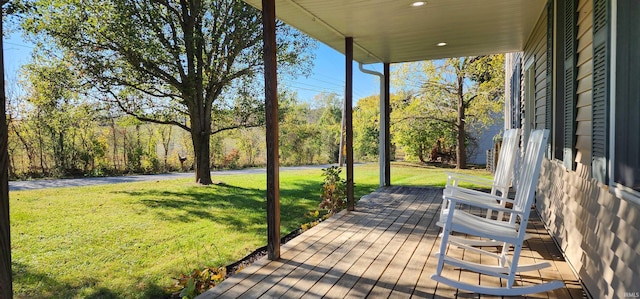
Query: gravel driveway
x,y
41,184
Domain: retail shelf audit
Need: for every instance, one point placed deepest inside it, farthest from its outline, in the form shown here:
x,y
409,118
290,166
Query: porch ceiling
x,y
394,31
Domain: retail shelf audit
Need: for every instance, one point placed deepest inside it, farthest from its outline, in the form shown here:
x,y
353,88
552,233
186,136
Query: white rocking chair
x,y
499,185
510,233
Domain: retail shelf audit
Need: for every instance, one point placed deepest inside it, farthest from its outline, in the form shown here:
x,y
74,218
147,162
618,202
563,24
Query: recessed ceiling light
x,y
418,3
442,44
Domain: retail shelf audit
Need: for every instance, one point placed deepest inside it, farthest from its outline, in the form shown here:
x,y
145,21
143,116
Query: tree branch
x,y
467,103
124,109
427,118
157,29
252,125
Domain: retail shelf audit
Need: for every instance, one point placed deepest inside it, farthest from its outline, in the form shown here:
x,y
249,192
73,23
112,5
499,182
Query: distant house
x,y
485,140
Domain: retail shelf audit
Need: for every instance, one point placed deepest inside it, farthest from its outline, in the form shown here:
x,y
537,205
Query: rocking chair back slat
x,y
506,161
530,171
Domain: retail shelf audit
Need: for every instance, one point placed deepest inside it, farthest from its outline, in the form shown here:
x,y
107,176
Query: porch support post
x,y
271,107
385,141
6,289
348,99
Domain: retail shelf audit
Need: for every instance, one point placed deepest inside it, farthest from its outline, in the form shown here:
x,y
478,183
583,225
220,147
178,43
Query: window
x,y
529,99
625,139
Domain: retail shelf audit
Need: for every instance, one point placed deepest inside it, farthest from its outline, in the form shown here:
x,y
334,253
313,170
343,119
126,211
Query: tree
x,y
455,92
329,106
186,63
297,132
53,101
250,142
412,129
366,118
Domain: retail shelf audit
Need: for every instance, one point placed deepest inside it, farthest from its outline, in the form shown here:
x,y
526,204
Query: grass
x,y
129,240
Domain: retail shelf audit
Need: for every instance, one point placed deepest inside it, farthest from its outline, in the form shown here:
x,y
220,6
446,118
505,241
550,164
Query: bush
x,y
334,190
197,282
231,159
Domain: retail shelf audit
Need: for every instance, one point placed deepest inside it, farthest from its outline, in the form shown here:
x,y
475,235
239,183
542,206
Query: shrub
x,y
197,282
334,190
231,159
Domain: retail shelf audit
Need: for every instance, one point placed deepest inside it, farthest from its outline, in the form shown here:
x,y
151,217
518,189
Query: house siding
x,y
485,138
585,85
536,51
597,230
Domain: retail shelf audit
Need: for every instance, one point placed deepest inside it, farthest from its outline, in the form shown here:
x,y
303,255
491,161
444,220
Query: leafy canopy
x,y
163,60
193,64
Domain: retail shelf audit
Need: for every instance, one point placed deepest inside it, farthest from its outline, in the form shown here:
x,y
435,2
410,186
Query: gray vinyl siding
x,y
535,58
597,230
584,80
536,49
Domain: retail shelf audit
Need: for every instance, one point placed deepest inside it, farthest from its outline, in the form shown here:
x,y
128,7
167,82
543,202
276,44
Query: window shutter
x,y
516,102
517,78
570,28
548,108
600,109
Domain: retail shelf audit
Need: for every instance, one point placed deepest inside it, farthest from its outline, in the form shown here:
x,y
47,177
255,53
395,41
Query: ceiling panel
x,y
394,31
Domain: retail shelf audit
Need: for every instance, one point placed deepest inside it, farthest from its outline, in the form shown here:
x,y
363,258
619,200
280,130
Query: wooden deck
x,y
384,249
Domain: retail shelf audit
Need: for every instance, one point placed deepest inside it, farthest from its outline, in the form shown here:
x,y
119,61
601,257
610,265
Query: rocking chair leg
x,y
512,272
503,254
444,240
443,247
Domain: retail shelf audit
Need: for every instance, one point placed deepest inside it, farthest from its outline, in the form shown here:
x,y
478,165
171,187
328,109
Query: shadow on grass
x,y
40,285
243,209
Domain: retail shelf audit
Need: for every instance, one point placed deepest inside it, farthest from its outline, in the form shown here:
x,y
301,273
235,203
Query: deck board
x,y
385,249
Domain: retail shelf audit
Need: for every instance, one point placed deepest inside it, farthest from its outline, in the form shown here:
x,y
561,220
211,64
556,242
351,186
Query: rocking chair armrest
x,y
454,190
485,205
459,177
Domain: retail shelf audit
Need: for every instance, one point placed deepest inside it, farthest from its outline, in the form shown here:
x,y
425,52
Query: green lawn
x,y
129,240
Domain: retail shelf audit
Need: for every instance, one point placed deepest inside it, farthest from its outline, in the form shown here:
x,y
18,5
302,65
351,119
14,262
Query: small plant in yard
x,y
198,281
314,218
334,190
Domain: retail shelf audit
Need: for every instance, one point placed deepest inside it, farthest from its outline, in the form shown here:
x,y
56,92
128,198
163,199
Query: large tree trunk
x,y
6,289
200,135
461,149
200,107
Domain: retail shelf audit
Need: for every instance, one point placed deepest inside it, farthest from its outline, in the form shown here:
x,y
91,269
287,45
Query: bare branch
x,y
252,125
141,117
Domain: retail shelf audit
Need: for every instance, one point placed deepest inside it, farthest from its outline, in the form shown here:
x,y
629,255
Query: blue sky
x,y
328,72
